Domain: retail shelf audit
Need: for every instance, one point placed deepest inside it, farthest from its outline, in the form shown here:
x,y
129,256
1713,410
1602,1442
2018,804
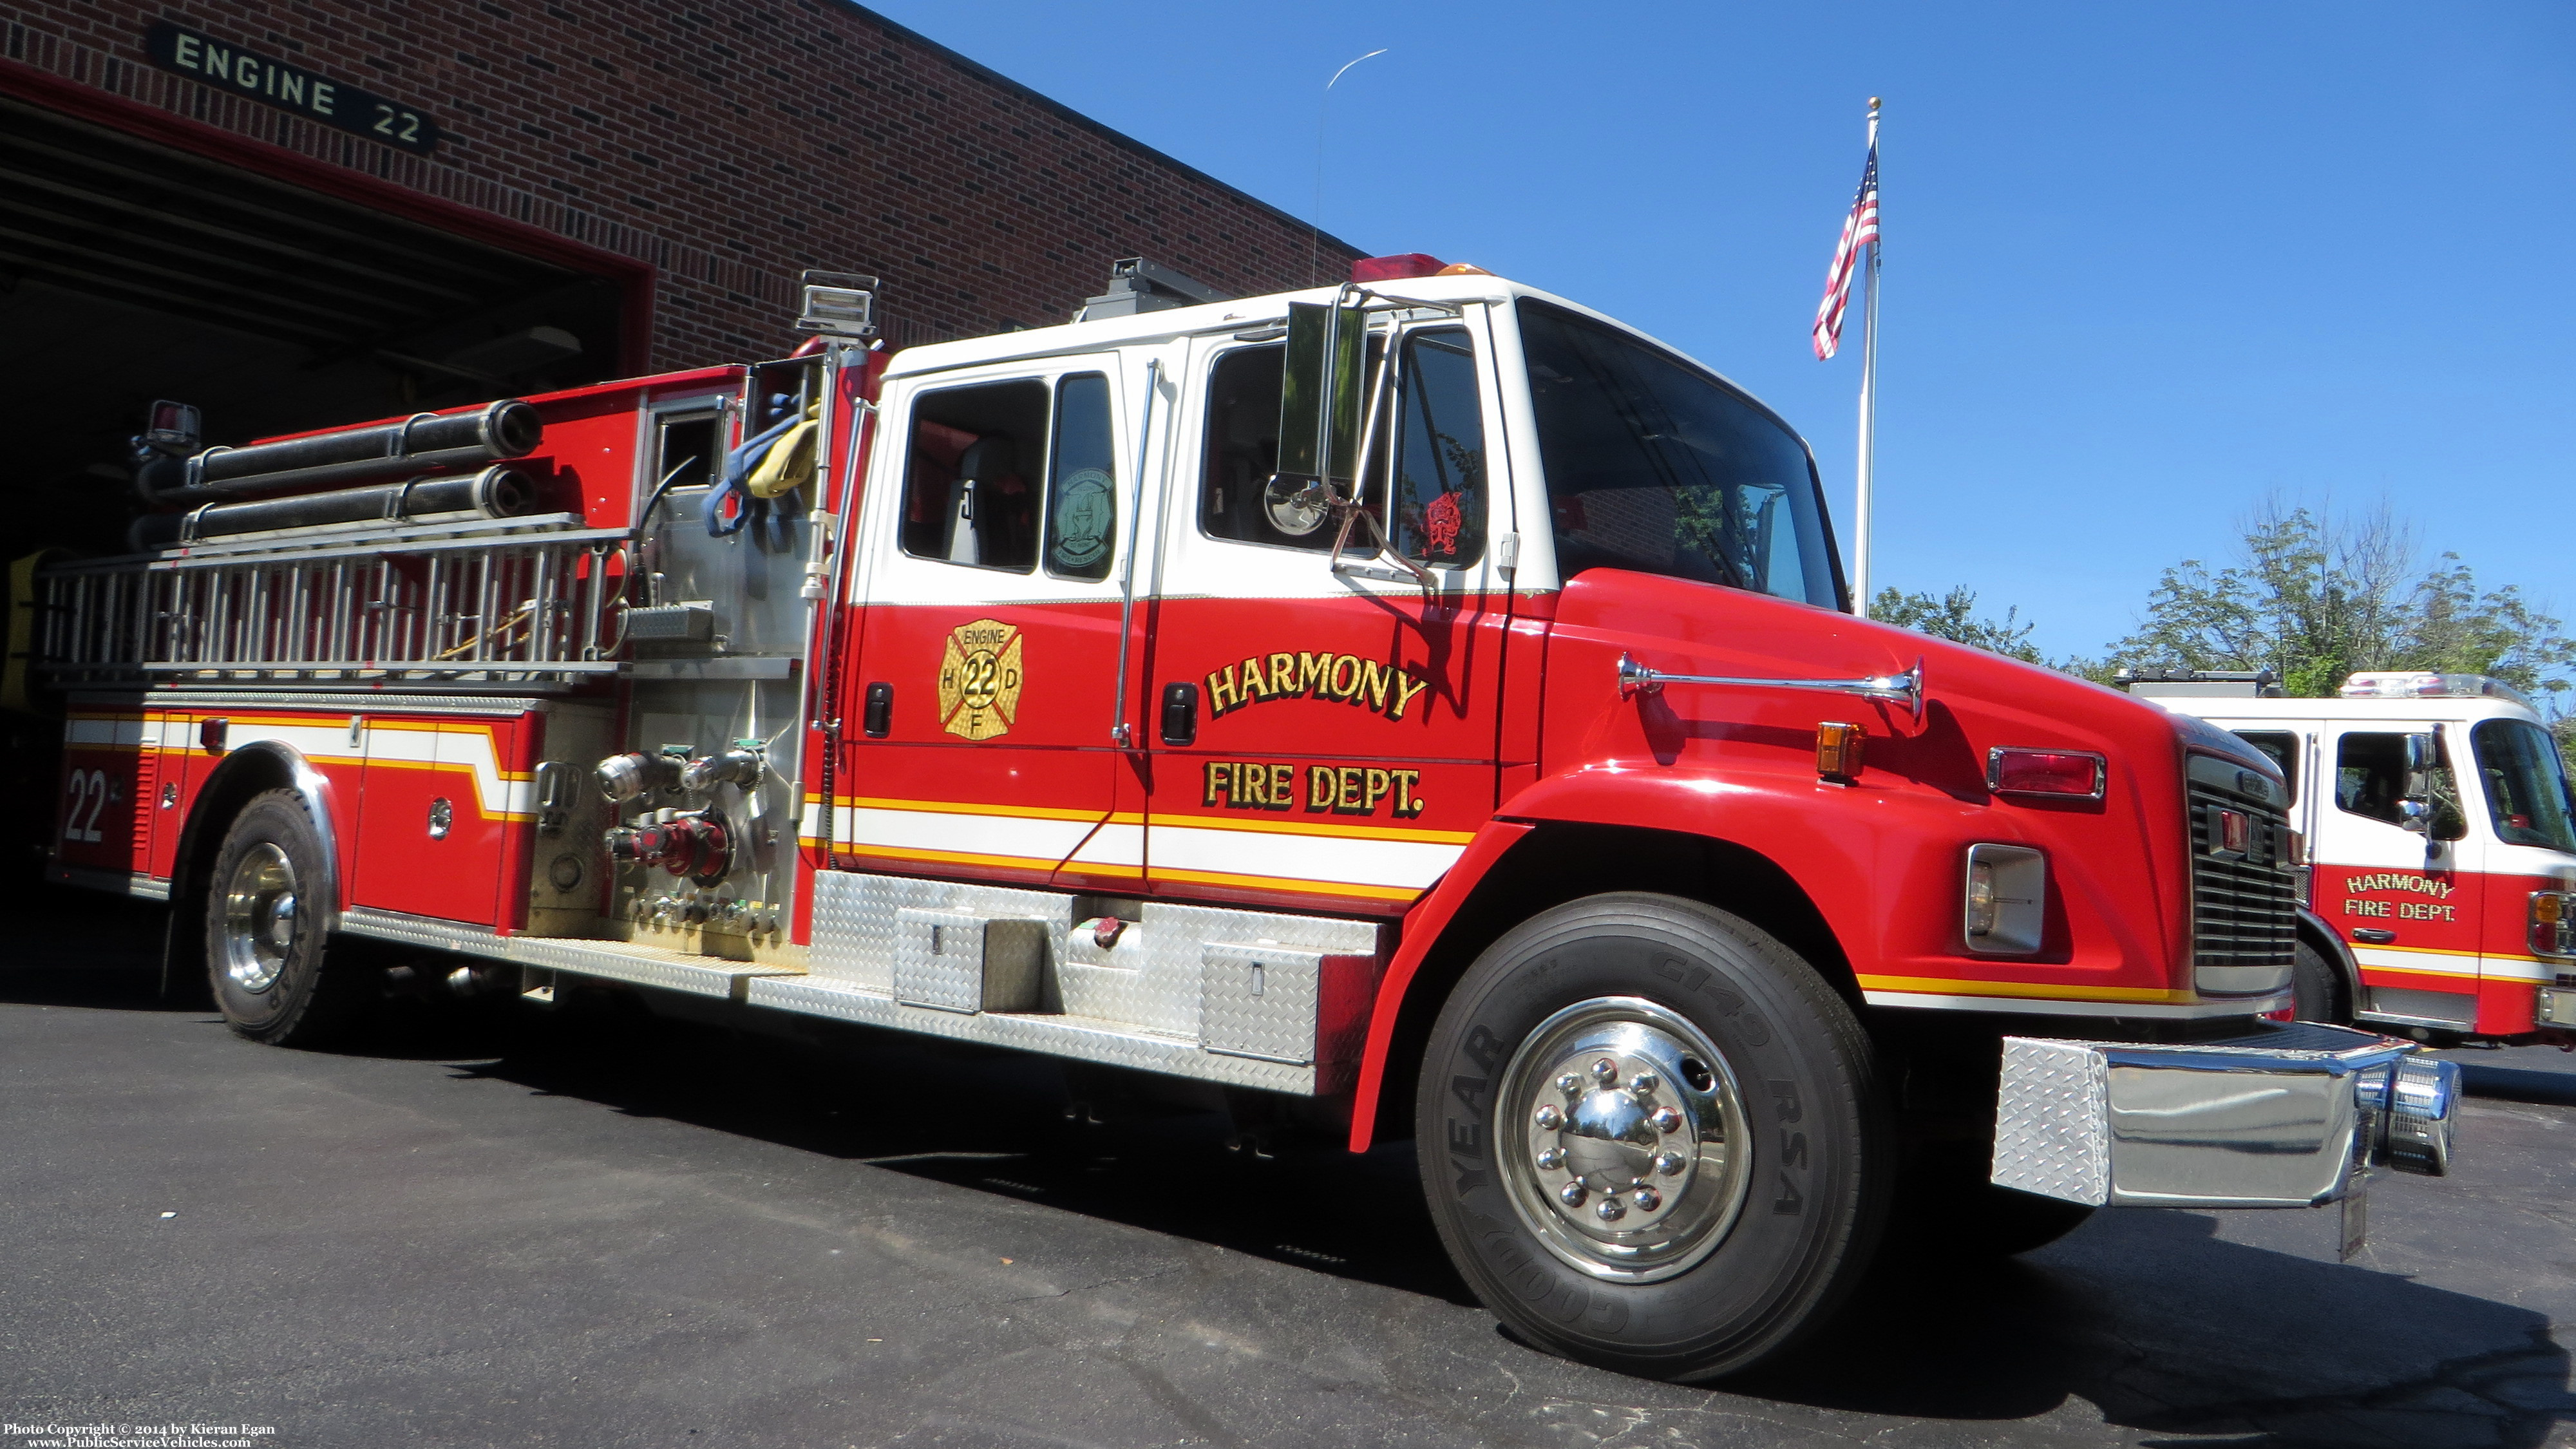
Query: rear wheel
x,y
1652,1138
264,941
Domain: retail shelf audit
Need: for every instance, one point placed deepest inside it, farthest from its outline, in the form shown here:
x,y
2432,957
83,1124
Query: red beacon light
x,y
1407,266
2052,774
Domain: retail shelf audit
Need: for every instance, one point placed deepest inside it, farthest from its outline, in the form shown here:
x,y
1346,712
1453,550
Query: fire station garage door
x,y
129,271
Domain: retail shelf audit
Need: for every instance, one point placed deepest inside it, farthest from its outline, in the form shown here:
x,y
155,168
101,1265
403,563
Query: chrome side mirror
x,y
2423,754
1319,394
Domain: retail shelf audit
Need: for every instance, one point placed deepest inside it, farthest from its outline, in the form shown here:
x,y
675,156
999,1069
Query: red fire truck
x,y
2441,847
1424,705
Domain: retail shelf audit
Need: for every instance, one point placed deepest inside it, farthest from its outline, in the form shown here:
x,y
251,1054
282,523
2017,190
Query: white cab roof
x,y
2292,711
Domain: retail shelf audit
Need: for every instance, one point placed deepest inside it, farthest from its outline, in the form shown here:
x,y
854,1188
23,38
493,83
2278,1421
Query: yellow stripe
x,y
2438,951
951,857
1276,883
2023,990
945,807
815,842
1196,822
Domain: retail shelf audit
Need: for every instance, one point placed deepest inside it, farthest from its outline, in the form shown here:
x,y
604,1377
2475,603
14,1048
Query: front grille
x,y
2244,908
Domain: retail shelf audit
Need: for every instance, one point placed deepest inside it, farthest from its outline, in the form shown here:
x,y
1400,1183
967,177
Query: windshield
x,y
2526,788
1655,465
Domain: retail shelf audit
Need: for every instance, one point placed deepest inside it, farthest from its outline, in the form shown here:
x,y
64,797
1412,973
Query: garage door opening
x,y
131,271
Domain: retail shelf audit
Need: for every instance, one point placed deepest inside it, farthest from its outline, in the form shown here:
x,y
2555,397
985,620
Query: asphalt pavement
x,y
592,1230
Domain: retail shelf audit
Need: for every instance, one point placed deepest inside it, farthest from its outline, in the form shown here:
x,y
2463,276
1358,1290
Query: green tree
x,y
2313,598
1954,617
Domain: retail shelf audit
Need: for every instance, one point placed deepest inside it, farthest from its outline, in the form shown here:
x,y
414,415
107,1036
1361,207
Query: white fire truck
x,y
2441,847
1424,704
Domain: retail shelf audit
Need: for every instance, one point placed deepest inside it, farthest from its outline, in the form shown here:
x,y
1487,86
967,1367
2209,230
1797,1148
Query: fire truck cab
x,y
2441,847
1424,706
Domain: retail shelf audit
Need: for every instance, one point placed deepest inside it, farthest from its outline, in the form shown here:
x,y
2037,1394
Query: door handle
x,y
1180,713
878,719
2373,936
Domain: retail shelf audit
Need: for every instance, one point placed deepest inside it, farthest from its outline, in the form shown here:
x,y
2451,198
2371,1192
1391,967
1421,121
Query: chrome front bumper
x,y
2287,1117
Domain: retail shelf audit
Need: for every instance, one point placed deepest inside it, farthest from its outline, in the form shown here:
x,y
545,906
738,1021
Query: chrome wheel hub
x,y
260,918
1623,1139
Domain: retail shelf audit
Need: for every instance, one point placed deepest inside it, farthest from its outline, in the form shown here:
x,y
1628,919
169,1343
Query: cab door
x,y
1325,737
2401,898
978,713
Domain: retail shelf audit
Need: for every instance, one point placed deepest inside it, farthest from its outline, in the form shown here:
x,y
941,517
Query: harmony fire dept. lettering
x,y
2404,881
2399,881
1328,789
1340,678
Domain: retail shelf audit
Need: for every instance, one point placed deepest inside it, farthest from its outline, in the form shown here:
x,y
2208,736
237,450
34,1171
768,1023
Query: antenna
x,y
1315,248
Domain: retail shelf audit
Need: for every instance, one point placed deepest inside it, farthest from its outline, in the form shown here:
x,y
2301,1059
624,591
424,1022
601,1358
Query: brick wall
x,y
729,144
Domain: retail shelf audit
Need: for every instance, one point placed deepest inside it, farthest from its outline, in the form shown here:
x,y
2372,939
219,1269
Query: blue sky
x,y
2146,265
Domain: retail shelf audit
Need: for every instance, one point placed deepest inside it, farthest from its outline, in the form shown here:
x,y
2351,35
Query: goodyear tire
x,y
1652,1137
265,946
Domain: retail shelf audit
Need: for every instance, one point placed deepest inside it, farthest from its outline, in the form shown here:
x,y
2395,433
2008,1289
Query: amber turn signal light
x,y
1838,751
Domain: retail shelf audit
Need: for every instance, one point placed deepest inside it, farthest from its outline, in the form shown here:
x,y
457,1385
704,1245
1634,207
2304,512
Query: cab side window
x,y
2370,775
2370,780
1440,462
1243,451
1439,426
1082,481
970,479
2281,748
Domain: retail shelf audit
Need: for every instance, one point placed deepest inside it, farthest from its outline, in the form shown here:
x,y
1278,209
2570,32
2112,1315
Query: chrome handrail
x,y
1905,689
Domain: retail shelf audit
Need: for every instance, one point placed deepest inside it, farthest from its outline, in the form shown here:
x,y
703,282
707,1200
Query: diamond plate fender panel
x,y
2052,1132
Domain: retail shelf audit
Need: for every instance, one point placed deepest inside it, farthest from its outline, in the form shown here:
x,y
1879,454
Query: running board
x,y
612,960
1074,1038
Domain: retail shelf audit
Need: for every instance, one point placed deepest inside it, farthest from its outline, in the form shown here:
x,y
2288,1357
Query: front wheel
x,y
2317,991
264,939
1652,1137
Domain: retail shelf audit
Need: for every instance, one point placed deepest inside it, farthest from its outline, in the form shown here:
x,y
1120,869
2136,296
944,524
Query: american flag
x,y
1860,229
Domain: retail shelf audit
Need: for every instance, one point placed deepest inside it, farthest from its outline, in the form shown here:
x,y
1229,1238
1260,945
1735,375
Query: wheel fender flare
x,y
2330,942
1422,927
203,834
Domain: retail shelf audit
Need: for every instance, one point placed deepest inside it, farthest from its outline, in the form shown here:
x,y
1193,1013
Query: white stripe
x,y
1337,859
1120,845
1028,839
2461,964
2025,1006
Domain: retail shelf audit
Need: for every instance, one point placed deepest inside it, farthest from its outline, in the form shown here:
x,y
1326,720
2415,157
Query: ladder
x,y
479,604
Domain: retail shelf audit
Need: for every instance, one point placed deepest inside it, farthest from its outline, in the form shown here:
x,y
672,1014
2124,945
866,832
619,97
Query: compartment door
x,y
994,543
1347,727
2398,897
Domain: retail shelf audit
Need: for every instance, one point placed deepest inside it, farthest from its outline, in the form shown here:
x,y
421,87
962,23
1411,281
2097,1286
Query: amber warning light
x,y
1838,751
2059,774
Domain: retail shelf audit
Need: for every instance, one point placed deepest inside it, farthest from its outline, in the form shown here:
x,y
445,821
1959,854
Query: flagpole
x,y
1868,409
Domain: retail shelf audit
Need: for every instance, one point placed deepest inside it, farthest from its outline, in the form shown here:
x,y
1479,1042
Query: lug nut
x,y
1605,1071
1665,1119
1552,1159
1550,1119
1571,1194
1646,1199
1670,1164
1644,1082
1611,1210
1569,1084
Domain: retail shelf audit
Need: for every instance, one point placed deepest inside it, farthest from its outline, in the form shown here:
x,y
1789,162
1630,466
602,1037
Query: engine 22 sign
x,y
226,66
